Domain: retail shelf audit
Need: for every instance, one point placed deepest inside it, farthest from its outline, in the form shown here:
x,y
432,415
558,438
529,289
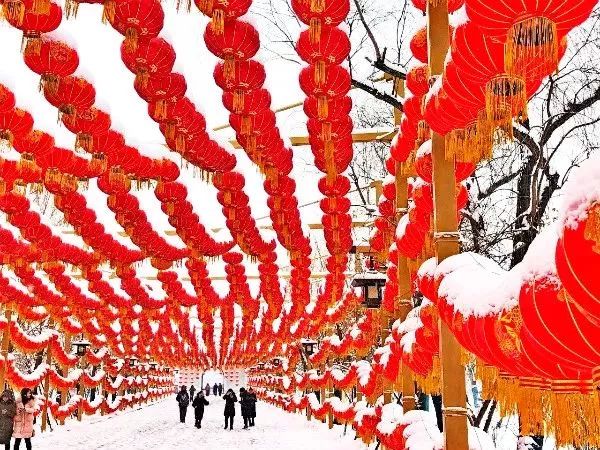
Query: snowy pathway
x,y
157,427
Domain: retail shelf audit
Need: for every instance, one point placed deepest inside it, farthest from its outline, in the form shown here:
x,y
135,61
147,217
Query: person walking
x,y
252,401
8,410
215,389
183,398
198,404
23,421
207,390
230,400
245,406
192,392
220,389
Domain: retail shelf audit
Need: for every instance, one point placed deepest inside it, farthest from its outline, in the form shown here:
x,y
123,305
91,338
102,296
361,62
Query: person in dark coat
x,y
207,390
199,403
215,389
183,398
192,392
252,401
8,411
230,400
245,406
220,388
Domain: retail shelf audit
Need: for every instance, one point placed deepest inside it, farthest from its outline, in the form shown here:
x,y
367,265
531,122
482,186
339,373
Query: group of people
x,y
17,418
247,403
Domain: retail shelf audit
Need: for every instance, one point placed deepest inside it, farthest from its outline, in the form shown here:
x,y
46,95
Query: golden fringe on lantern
x,y
431,384
592,227
131,40
320,73
246,125
142,77
330,161
31,44
218,21
315,28
6,140
2,186
14,10
471,144
407,168
505,98
323,107
41,7
531,40
84,141
49,82
569,410
27,161
108,11
160,109
71,8
239,101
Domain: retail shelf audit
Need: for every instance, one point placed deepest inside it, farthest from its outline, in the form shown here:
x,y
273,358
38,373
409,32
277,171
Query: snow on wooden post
x,y
65,392
5,347
47,380
446,241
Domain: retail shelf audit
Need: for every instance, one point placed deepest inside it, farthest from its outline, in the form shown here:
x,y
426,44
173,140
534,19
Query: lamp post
x,y
309,347
80,347
371,283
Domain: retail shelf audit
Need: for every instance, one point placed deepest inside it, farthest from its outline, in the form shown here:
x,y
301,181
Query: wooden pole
x,y
47,383
5,347
81,389
446,243
65,392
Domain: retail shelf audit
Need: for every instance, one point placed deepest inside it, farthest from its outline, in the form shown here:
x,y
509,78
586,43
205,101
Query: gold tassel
x,y
6,139
170,131
71,8
142,77
131,40
315,30
49,82
320,73
323,107
31,44
330,162
326,131
532,40
99,162
218,21
317,6
246,125
505,98
14,11
84,141
238,100
108,11
592,227
160,109
180,143
41,7
206,6
229,67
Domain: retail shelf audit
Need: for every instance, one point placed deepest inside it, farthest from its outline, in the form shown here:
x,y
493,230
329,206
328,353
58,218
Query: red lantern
x,y
319,14
160,89
253,102
7,99
137,19
238,42
73,93
13,123
222,11
55,60
34,24
153,57
86,124
332,49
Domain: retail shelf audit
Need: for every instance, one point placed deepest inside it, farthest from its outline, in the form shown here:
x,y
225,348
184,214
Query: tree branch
x,y
379,95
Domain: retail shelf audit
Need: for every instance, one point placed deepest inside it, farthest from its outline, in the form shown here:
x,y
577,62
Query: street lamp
x,y
309,346
276,362
153,365
132,361
372,284
80,347
261,366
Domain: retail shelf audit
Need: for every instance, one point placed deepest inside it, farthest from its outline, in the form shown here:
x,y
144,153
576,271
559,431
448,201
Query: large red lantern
x,y
222,11
239,41
73,93
137,19
332,49
160,89
319,14
13,123
55,60
153,57
87,123
33,24
7,99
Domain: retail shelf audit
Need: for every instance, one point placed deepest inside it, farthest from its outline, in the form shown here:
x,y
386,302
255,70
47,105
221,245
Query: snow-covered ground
x,y
157,426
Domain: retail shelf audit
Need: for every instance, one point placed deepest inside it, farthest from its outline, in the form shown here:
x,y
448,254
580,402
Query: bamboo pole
x,y
5,347
446,243
47,384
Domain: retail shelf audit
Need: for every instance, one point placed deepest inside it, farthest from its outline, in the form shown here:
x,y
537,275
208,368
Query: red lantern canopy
x,y
319,14
137,19
7,99
332,49
13,123
239,41
54,61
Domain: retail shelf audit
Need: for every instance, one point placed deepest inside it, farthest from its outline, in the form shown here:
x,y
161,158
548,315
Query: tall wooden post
x,y
81,392
65,392
447,243
47,383
5,347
